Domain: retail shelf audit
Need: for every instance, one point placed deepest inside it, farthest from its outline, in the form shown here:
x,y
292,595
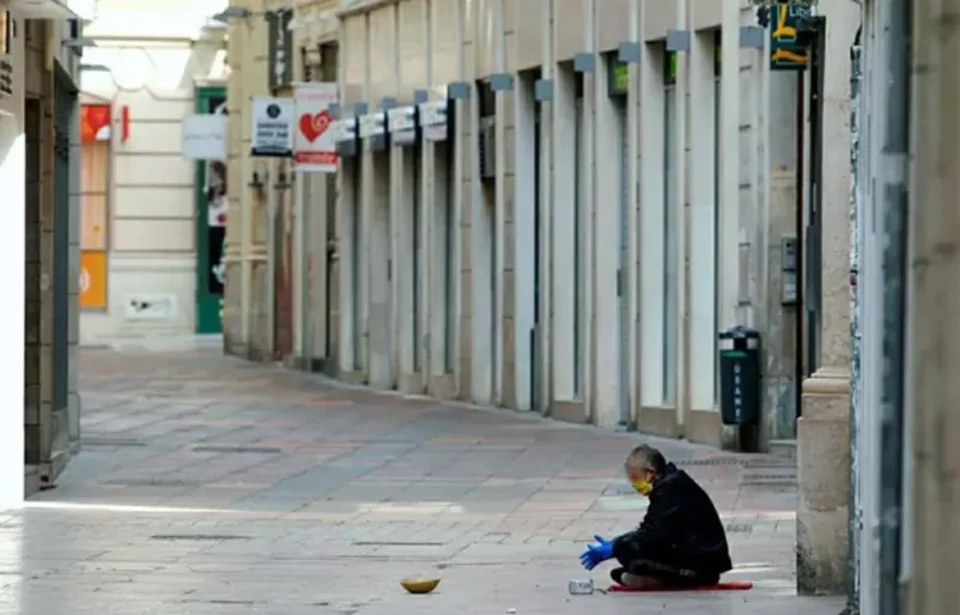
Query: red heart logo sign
x,y
312,126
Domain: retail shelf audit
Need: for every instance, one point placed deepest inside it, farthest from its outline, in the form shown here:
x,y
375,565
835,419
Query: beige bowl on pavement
x,y
420,585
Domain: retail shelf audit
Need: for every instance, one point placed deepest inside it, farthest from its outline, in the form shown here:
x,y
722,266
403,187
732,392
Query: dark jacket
x,y
681,528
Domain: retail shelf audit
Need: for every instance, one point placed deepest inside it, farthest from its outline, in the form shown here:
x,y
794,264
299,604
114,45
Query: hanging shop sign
x,y
402,122
272,126
279,49
433,120
315,143
203,136
373,125
792,28
345,136
373,129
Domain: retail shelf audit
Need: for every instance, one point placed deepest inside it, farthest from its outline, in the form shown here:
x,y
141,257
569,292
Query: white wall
x,y
151,208
12,185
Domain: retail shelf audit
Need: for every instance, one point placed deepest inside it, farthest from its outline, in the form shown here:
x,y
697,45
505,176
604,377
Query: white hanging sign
x,y
316,141
272,126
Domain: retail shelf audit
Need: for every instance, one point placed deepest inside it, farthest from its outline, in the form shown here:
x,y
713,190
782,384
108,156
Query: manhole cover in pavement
x,y
197,537
257,450
150,482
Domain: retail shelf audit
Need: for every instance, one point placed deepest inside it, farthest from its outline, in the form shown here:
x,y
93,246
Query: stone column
x,y
823,432
932,331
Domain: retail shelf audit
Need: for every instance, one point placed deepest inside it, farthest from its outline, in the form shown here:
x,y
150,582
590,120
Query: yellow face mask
x,y
643,486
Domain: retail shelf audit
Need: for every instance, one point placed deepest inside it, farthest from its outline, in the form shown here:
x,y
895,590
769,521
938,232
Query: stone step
x,y
786,449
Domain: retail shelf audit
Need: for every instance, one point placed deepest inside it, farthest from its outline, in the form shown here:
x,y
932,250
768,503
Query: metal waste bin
x,y
740,376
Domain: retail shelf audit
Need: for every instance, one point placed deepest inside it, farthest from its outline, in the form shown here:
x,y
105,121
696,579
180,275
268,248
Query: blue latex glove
x,y
596,552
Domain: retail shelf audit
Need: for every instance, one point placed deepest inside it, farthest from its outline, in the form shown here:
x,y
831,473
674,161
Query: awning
x,y
38,9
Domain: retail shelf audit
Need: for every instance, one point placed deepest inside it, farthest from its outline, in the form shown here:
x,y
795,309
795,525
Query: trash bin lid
x,y
740,332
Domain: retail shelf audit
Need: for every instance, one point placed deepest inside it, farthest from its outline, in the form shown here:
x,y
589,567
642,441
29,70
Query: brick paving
x,y
208,486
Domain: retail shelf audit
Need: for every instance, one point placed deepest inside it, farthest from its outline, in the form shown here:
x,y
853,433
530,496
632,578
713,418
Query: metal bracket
x,y
585,62
678,40
501,82
629,52
543,90
752,37
459,90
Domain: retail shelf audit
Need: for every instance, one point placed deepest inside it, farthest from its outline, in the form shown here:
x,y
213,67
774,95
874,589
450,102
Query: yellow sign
x,y
92,286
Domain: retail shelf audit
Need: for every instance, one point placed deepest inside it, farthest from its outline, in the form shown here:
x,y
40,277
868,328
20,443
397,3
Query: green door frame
x,y
209,306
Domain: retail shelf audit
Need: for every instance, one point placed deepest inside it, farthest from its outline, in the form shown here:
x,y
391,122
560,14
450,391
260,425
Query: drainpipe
x,y
894,112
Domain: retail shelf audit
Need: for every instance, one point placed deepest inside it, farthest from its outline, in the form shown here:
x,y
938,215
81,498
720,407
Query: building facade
x,y
557,206
39,173
153,222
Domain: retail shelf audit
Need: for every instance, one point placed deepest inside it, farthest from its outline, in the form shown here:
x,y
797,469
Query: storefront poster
x,y
315,145
92,285
94,123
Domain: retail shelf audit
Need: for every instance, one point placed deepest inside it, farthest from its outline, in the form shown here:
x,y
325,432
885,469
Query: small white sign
x,y
204,137
433,120
316,146
272,126
372,125
402,118
345,129
150,306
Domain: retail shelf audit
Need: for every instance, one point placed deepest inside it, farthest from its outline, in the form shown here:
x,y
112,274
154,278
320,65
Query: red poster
x,y
94,123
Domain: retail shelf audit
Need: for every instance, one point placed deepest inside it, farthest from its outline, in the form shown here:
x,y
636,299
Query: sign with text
x,y
790,28
315,147
272,126
203,136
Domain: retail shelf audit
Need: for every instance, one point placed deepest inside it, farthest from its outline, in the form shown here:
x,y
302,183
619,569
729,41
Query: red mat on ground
x,y
719,587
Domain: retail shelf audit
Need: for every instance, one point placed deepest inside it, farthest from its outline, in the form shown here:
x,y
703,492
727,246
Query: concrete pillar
x,y
932,481
545,317
606,251
652,186
823,447
405,269
702,300
563,292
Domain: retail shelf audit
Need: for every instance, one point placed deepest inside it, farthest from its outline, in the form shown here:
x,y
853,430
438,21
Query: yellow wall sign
x,y
789,47
92,285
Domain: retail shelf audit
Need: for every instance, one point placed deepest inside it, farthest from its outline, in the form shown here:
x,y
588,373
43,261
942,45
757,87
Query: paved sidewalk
x,y
208,486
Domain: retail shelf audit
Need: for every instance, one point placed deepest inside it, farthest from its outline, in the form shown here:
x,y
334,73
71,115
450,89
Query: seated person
x,y
681,541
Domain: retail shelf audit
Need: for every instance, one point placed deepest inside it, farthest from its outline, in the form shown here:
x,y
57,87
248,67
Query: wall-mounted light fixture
x,y
258,180
233,12
282,182
79,42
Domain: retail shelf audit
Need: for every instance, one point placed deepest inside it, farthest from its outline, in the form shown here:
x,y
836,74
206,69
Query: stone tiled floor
x,y
211,486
